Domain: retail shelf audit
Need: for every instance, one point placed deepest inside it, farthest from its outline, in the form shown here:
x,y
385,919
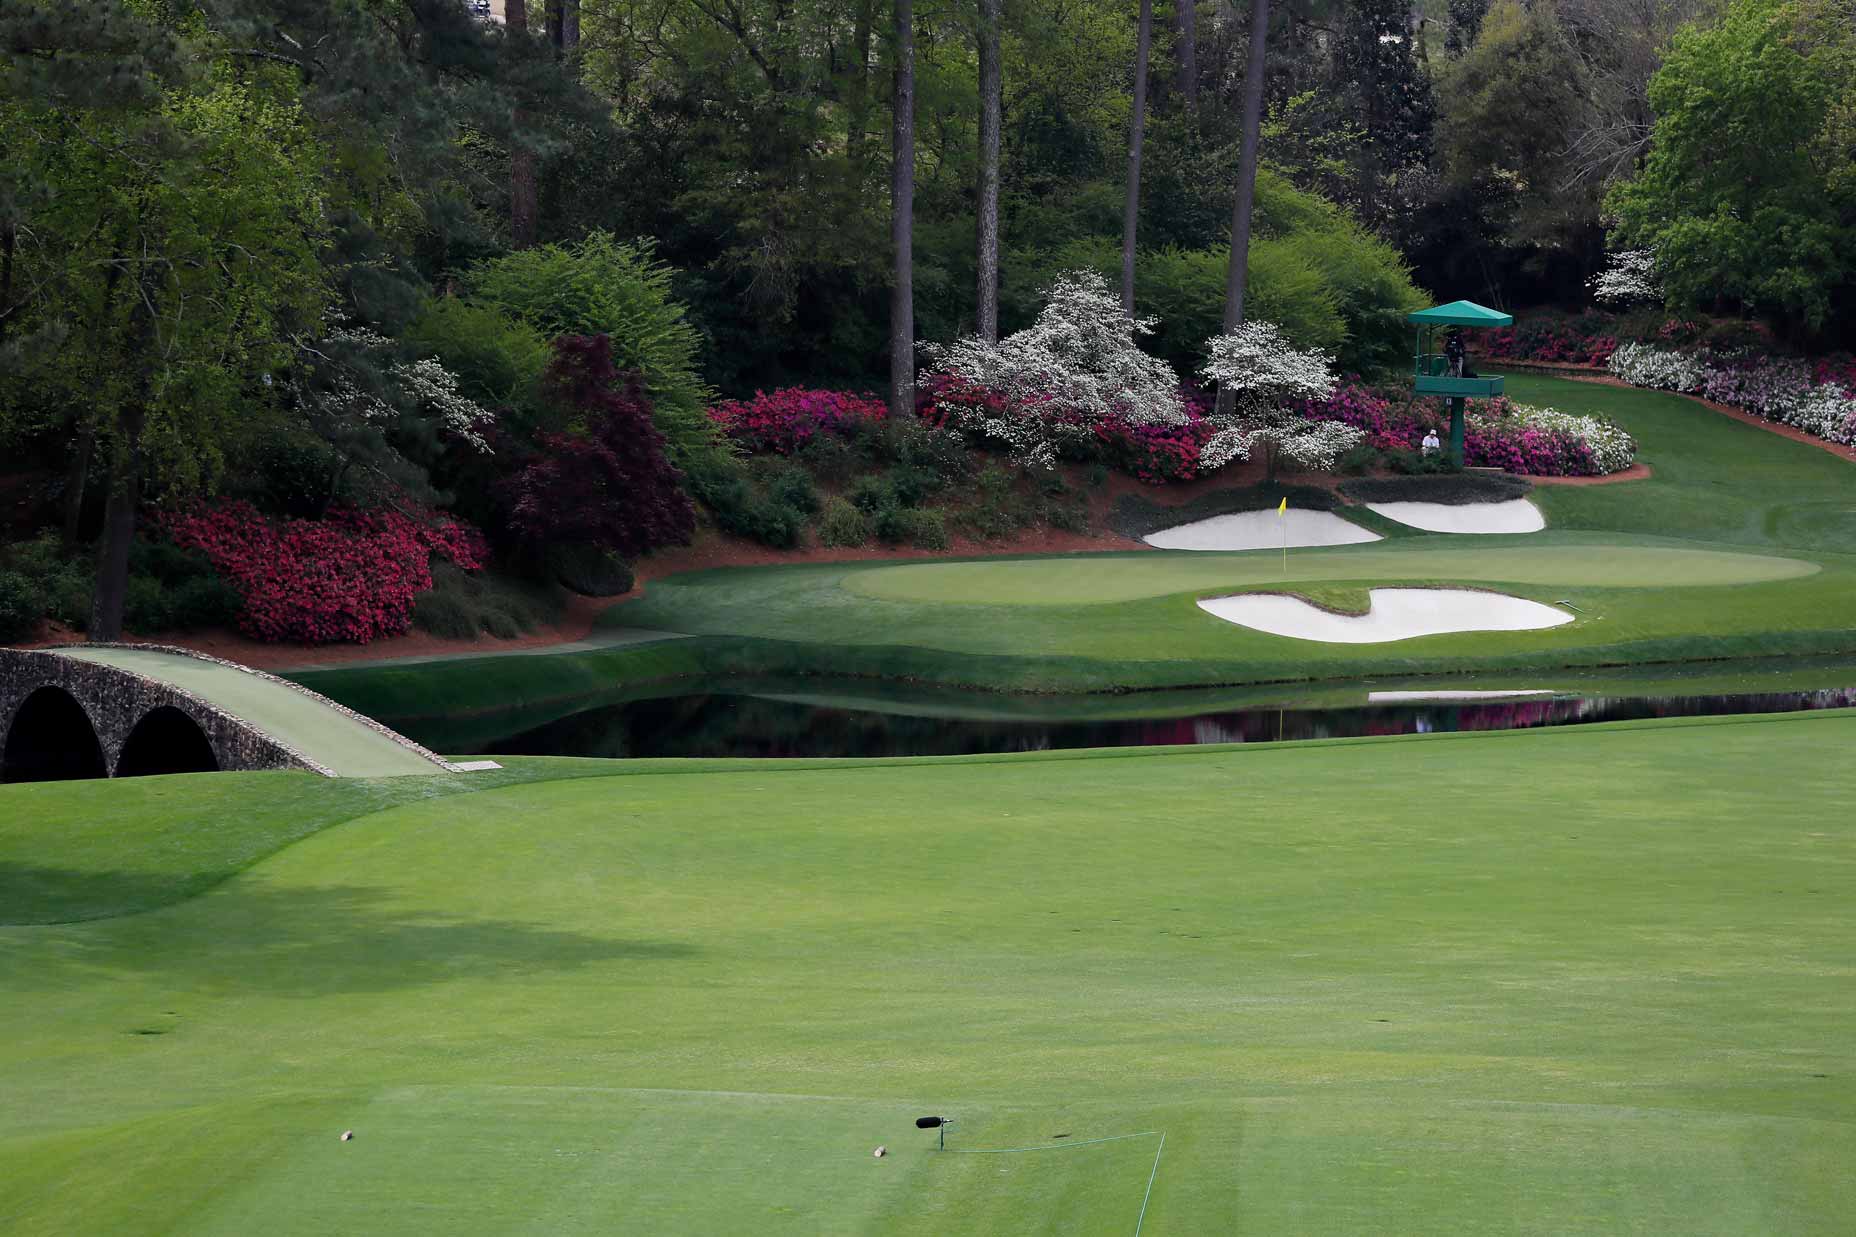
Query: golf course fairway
x,y
1592,980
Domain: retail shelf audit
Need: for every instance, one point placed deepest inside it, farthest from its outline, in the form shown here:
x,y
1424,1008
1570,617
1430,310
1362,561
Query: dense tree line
x,y
230,224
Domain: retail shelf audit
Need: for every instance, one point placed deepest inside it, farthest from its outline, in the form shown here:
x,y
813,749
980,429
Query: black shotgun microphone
x,y
930,1123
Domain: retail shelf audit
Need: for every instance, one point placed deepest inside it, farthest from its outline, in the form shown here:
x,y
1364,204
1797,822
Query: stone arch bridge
x,y
99,710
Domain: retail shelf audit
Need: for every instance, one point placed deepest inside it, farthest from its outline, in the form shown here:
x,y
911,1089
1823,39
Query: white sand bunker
x,y
1517,515
1261,530
1395,614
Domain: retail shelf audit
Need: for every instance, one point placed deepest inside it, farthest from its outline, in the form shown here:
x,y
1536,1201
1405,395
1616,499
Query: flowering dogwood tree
x,y
1077,366
1269,375
1630,278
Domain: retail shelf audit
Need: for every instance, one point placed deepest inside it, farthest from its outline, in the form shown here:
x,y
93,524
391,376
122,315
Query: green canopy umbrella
x,y
1462,313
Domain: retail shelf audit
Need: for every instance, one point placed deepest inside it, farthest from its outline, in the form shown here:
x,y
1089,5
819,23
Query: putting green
x,y
1575,981
1098,579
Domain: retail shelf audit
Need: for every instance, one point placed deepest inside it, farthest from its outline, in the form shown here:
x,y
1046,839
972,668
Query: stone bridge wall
x,y
115,700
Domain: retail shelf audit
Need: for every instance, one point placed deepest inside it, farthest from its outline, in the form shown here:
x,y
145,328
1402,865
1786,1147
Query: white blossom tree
x,y
1078,365
1266,374
1628,280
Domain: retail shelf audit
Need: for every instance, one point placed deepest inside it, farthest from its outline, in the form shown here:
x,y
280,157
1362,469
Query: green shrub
x,y
912,484
1416,463
1070,517
793,487
602,286
498,358
1135,515
145,608
921,449
842,524
873,494
997,510
63,585
1095,476
446,613
740,507
1451,488
21,606
1357,459
926,530
162,560
830,458
590,570
461,604
204,601
289,474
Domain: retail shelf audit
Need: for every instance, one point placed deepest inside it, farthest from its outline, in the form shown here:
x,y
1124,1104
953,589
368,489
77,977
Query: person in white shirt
x,y
1432,444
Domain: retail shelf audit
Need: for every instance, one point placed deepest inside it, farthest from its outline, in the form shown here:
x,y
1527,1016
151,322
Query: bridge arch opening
x,y
166,740
51,740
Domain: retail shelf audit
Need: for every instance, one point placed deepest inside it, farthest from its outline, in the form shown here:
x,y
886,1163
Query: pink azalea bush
x,y
350,576
1565,339
1497,433
783,421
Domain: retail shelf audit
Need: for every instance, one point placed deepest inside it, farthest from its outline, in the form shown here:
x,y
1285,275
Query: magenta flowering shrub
x,y
1576,339
350,576
1497,433
783,421
1155,454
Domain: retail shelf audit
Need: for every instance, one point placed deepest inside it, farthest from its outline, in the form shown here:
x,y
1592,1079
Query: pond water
x,y
820,717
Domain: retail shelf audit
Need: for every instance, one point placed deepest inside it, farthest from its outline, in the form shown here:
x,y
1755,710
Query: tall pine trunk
x,y
859,126
987,228
1137,128
902,221
76,479
1186,53
112,590
522,195
564,26
1239,274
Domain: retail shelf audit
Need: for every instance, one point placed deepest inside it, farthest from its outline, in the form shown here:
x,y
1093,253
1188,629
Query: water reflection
x,y
739,723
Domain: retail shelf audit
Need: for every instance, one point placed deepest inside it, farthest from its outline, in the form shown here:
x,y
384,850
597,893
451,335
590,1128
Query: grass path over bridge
x,y
1575,981
324,734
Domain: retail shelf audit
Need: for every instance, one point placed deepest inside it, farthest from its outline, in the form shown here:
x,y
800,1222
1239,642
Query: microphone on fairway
x,y
935,1123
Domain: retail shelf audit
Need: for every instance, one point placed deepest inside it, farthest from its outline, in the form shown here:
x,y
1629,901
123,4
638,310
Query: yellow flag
x,y
1283,507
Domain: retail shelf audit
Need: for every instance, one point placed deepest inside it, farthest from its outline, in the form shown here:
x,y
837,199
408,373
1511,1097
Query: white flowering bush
x,y
1050,385
1272,381
1777,388
1664,369
435,390
353,387
1827,411
1629,279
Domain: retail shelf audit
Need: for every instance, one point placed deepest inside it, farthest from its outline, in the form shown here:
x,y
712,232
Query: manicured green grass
x,y
1587,980
1715,478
